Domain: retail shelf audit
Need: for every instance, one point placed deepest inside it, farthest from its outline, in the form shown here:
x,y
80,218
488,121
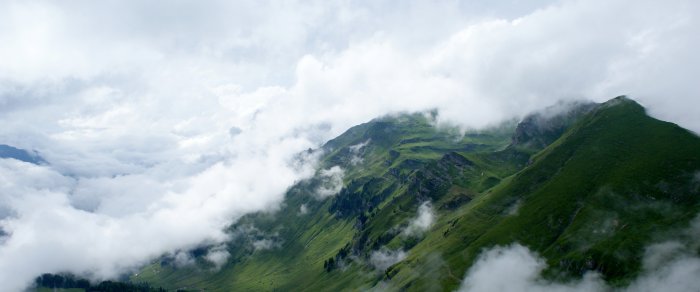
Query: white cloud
x,y
133,104
356,152
514,208
122,232
264,244
385,258
256,239
303,209
183,259
331,181
523,267
218,256
422,222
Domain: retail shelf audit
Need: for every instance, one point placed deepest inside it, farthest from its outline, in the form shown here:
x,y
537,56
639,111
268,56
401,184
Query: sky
x,y
164,121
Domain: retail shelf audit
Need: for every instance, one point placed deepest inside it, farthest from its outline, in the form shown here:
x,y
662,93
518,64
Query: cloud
x,y
183,259
514,208
303,209
264,244
111,237
422,222
255,239
668,266
385,258
164,122
218,256
356,152
523,269
331,180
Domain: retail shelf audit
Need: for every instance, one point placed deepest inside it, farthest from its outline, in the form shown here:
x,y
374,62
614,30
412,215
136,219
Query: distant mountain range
x,y
33,157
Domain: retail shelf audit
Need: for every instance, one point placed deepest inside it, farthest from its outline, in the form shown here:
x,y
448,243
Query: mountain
x,y
399,203
587,186
7,151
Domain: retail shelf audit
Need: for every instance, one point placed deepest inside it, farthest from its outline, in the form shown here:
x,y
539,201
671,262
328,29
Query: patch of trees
x,y
61,281
55,281
333,262
329,264
109,286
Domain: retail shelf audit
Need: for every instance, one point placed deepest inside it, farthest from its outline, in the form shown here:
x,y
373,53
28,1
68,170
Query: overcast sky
x,y
163,121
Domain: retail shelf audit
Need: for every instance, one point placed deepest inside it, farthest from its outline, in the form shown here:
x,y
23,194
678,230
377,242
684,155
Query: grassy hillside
x,y
588,188
395,150
615,182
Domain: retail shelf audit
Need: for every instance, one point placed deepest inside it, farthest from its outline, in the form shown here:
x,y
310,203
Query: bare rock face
x,y
540,129
433,181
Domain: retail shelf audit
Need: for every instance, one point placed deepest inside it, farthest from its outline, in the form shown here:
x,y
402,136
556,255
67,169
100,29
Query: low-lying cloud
x,y
356,152
422,222
331,182
668,266
523,268
303,210
218,256
384,258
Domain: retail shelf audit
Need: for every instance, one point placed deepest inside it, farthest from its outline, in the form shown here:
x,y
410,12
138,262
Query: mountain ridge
x,y
399,204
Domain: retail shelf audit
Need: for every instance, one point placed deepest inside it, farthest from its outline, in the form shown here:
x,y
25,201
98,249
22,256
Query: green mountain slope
x,y
587,187
612,184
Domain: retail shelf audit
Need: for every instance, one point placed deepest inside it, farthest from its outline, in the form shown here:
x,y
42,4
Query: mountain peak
x,y
539,129
622,100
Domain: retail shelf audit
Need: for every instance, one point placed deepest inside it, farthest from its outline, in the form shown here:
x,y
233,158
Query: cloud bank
x,y
523,269
164,122
675,273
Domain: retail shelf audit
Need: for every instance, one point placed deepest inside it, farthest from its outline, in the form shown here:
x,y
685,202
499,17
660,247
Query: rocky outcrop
x,y
433,181
540,129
